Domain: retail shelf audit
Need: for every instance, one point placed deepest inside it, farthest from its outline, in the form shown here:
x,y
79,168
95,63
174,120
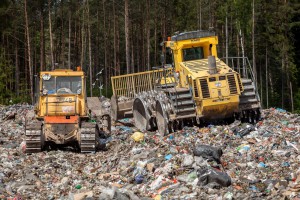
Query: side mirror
x,y
43,92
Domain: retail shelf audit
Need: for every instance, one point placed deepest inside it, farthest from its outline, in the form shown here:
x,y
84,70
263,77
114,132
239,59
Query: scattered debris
x,y
236,161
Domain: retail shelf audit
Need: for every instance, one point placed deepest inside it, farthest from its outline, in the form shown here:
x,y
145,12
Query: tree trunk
x,y
105,47
210,14
51,36
200,15
62,37
17,73
82,40
132,68
127,37
155,32
261,85
115,38
226,33
292,99
29,52
90,50
238,54
110,50
132,57
267,86
42,43
243,55
118,48
253,44
148,34
282,83
69,50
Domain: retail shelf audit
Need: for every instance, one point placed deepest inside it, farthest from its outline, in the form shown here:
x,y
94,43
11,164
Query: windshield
x,y
194,53
62,85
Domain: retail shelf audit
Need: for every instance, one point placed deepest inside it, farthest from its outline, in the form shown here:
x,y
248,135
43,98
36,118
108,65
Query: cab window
x,y
68,84
193,53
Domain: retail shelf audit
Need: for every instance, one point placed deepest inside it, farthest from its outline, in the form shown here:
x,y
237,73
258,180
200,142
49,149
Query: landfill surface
x,y
234,161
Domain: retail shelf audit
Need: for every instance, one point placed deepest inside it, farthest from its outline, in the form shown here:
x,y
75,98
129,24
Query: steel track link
x,y
33,137
88,137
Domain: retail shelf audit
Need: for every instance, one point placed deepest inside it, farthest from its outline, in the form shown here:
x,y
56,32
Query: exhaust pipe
x,y
212,66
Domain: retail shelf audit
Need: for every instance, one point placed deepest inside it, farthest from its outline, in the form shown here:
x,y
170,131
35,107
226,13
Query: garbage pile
x,y
235,161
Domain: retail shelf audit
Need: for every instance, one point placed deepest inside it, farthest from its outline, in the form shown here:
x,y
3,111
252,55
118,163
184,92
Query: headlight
x,y
79,91
45,92
46,77
218,84
176,74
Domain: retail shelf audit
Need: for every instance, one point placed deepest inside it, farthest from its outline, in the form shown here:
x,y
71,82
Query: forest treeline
x,y
124,36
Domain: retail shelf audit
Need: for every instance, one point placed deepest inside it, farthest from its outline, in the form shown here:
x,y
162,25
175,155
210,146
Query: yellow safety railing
x,y
130,84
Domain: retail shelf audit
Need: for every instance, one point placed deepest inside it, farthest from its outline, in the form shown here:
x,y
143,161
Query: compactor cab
x,y
62,113
219,91
193,85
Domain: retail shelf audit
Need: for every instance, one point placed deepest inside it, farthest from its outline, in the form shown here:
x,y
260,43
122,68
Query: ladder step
x,y
186,116
183,103
245,80
181,96
187,109
244,101
246,94
248,87
179,90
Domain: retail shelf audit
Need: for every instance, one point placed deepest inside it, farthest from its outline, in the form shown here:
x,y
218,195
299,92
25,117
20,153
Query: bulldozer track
x,y
33,137
88,137
249,103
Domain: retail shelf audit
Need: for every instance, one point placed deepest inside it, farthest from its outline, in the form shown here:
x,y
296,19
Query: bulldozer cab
x,y
62,85
62,93
191,46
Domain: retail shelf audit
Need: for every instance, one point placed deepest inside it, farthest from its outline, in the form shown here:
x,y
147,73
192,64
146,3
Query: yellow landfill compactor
x,y
192,86
63,113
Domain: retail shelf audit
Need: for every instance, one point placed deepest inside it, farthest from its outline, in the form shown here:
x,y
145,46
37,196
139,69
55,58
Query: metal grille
x,y
232,84
196,89
131,84
204,88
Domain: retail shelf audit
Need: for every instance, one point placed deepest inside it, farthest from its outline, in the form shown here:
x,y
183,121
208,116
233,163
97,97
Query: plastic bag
x,y
209,152
138,136
208,175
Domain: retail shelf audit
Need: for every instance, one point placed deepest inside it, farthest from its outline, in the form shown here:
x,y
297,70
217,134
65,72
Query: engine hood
x,y
197,68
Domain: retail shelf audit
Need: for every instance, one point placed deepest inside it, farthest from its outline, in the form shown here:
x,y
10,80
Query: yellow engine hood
x,y
197,68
